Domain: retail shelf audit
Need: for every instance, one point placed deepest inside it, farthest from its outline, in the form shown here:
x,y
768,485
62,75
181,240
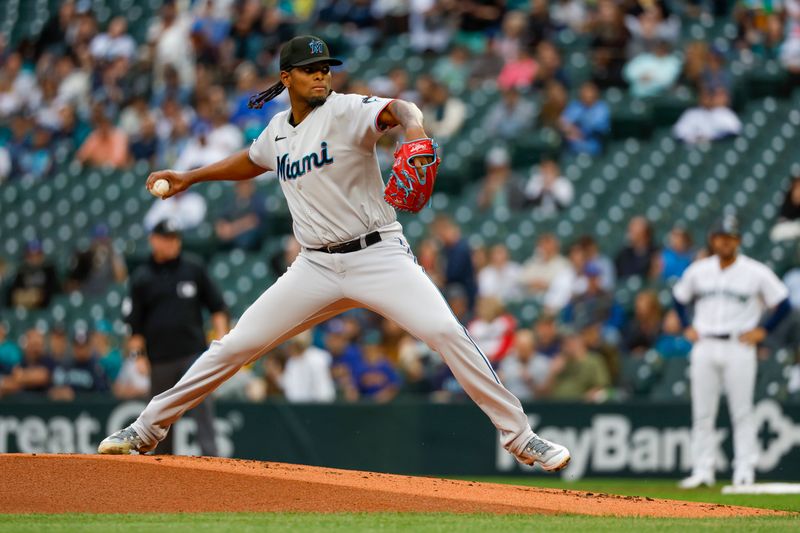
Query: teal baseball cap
x,y
305,50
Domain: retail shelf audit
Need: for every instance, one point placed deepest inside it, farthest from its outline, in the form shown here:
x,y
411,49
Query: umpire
x,y
168,295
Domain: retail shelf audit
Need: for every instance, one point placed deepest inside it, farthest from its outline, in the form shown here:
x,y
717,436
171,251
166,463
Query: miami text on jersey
x,y
291,170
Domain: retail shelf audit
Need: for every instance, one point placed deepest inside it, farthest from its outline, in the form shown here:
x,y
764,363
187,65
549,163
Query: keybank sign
x,y
41,433
615,443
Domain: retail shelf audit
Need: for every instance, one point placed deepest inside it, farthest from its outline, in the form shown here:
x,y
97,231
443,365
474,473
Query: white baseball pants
x,y
716,366
383,277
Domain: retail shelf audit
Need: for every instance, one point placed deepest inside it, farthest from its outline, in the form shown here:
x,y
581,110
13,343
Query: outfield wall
x,y
415,437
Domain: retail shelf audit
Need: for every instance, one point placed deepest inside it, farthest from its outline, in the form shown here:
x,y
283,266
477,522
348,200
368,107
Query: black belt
x,y
720,336
351,246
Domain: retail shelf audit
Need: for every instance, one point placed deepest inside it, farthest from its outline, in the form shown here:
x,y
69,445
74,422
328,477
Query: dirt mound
x,y
144,484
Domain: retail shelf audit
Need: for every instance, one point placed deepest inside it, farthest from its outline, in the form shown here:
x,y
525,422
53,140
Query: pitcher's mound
x,y
145,484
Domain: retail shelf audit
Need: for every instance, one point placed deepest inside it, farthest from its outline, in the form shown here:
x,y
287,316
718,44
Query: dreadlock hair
x,y
257,101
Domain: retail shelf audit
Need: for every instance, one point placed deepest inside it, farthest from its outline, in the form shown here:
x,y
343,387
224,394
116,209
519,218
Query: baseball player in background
x,y
354,252
730,292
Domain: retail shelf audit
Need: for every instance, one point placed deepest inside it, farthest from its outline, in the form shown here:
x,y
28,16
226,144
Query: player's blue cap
x,y
727,225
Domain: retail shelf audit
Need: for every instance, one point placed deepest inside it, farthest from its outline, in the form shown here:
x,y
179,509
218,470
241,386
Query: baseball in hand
x,y
160,187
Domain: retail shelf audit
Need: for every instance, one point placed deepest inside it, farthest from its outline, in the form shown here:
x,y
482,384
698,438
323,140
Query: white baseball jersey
x,y
728,300
328,169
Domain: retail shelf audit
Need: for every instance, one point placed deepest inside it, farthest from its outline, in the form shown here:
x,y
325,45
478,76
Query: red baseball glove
x,y
413,175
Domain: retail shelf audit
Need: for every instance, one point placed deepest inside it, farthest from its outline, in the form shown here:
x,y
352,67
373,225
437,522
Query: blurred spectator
x,y
107,145
609,43
677,255
109,357
484,66
500,187
548,338
56,35
714,77
241,224
453,69
512,38
500,278
36,160
547,190
459,303
608,274
458,269
133,380
671,342
696,59
595,338
653,73
585,121
35,282
650,28
186,209
307,374
759,29
644,327
18,86
576,374
550,66
570,14
540,25
34,373
554,102
144,145
520,72
71,130
790,50
115,43
430,24
10,354
591,306
444,114
524,370
479,18
636,257
710,121
58,343
168,38
510,116
251,121
492,329
81,374
346,357
375,377
94,269
788,225
792,281
567,282
541,269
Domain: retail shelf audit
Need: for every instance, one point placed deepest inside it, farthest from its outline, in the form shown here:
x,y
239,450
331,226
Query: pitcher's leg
x,y
301,297
740,380
705,387
392,284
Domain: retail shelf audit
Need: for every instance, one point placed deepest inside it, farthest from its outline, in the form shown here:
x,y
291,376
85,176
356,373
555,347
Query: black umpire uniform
x,y
168,296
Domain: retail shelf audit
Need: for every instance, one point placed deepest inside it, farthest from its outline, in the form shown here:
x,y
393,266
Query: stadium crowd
x,y
85,90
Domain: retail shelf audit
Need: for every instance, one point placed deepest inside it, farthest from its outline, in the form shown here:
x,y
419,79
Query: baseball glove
x,y
413,175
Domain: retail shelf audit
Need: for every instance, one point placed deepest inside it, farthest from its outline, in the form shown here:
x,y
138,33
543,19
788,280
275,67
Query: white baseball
x,y
160,187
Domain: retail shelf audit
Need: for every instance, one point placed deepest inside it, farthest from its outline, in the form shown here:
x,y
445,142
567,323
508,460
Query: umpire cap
x,y
305,50
727,225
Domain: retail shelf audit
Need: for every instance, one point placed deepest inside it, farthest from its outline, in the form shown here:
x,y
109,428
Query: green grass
x,y
435,522
657,488
384,522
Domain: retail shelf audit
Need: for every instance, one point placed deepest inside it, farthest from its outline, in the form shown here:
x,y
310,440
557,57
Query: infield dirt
x,y
166,484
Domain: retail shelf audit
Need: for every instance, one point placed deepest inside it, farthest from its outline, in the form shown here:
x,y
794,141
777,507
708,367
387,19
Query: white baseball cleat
x,y
697,480
743,477
553,457
123,442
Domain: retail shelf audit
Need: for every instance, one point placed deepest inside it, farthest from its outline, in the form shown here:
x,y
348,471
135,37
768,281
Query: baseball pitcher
x,y
354,252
